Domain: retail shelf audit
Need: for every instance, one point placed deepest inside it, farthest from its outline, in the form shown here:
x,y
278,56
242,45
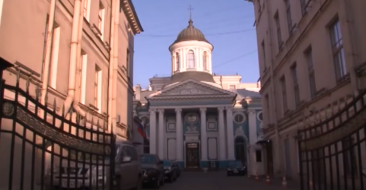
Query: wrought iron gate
x,y
332,153
40,149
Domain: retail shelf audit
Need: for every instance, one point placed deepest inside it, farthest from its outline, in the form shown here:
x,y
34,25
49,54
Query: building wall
x,y
310,27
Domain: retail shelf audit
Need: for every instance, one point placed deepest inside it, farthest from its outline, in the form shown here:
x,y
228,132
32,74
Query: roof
x,y
242,93
190,33
195,75
131,15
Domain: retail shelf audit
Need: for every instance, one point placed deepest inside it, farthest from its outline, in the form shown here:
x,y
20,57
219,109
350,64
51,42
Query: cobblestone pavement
x,y
219,181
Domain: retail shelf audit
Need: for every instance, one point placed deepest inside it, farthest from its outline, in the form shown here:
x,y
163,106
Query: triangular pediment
x,y
194,88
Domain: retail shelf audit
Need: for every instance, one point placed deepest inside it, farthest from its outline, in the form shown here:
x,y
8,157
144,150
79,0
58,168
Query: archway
x,y
240,149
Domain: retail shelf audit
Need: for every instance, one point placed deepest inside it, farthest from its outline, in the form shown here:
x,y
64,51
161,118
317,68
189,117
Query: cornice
x,y
190,97
131,16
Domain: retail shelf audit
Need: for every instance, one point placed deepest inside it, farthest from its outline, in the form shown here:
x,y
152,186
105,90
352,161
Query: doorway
x,y
192,155
240,150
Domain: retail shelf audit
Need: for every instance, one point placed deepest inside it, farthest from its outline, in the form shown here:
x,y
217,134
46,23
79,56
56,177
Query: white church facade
x,y
195,117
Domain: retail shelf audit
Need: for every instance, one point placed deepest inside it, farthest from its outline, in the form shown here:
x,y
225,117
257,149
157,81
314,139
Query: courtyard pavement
x,y
217,180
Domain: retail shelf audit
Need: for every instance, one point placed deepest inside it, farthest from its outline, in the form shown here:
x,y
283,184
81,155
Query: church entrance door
x,y
240,150
192,155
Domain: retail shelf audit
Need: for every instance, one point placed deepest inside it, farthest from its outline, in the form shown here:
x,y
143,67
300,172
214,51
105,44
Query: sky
x,y
228,26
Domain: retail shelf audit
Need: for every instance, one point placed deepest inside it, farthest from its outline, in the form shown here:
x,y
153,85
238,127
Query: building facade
x,y
311,60
195,117
74,57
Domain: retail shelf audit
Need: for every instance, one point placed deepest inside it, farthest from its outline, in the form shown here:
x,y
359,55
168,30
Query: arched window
x,y
191,61
205,60
177,64
240,149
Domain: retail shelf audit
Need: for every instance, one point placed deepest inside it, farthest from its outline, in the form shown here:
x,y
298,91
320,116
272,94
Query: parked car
x,y
236,168
128,173
153,170
176,165
170,171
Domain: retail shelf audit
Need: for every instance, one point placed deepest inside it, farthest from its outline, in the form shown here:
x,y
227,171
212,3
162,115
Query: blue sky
x,y
228,26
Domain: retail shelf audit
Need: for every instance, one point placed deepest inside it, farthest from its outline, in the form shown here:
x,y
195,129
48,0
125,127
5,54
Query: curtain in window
x,y
191,61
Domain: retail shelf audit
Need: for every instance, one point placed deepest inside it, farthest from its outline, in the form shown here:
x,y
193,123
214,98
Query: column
x,y
153,131
161,134
230,133
221,134
203,135
179,134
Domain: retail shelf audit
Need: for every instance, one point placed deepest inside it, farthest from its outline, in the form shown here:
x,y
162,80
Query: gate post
x,y
3,65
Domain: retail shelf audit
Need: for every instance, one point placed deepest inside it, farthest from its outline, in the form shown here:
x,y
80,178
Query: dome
x,y
190,33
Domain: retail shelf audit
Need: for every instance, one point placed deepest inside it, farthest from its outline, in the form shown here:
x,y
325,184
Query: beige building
x,y
312,59
85,66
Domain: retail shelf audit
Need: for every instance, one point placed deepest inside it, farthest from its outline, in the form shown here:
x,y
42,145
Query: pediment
x,y
192,87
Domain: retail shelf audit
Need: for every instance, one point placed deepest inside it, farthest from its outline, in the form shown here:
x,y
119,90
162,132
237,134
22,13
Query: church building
x,y
197,118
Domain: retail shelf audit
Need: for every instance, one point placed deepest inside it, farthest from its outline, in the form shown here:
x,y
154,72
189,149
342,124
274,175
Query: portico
x,y
193,135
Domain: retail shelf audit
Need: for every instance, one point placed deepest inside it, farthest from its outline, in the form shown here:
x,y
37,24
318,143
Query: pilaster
x,y
179,134
230,133
153,131
161,133
221,134
203,135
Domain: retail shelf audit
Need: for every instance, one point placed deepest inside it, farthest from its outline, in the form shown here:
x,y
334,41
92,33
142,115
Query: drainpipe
x,y
79,64
115,61
73,54
47,62
273,86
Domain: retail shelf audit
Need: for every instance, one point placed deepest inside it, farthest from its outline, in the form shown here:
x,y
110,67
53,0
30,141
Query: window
x,y
284,95
258,155
128,62
337,49
289,17
177,61
303,6
54,55
86,9
296,85
101,19
205,60
264,54
239,118
191,61
267,108
309,60
278,29
84,66
97,87
232,87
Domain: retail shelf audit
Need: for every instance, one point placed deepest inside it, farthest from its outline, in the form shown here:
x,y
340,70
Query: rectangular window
x,y
278,29
101,19
303,6
54,55
264,54
128,62
311,72
86,9
268,109
289,17
84,67
232,87
97,87
284,95
337,49
296,85
258,155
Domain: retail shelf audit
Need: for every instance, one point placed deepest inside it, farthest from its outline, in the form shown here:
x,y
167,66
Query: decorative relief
x,y
191,129
191,89
191,118
61,138
8,109
239,131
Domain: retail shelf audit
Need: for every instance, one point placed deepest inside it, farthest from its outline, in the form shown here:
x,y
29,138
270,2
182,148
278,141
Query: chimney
x,y
138,92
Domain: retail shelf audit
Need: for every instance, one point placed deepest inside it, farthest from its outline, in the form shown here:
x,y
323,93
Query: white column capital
x,y
221,108
152,110
178,110
203,110
161,110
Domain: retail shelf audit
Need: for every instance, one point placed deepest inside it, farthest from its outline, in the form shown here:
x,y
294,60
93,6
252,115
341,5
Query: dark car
x,y
170,171
236,168
153,170
176,165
